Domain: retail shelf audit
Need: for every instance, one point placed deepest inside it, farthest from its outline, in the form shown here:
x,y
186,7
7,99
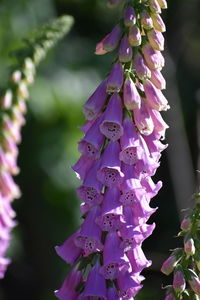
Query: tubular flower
x,y
184,262
12,111
120,152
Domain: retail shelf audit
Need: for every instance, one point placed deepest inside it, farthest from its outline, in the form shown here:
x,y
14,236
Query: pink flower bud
x,y
158,23
189,246
162,3
170,297
155,98
109,42
115,79
186,224
146,20
179,283
6,100
156,39
153,58
129,17
157,79
132,98
134,37
169,264
139,65
194,283
125,50
154,6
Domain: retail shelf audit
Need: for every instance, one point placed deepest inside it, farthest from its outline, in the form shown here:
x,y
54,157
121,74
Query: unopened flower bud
x,y
171,262
6,100
129,17
193,281
134,37
179,283
154,6
16,76
156,39
186,224
158,23
146,20
189,246
110,42
132,98
197,260
115,79
139,65
125,50
162,3
23,90
170,297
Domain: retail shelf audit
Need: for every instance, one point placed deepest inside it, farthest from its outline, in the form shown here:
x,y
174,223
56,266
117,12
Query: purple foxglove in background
x,y
110,173
115,79
140,67
129,16
111,125
130,94
134,36
125,50
146,20
96,102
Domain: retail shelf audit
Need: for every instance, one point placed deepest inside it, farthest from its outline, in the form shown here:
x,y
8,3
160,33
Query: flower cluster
x,y
12,110
185,262
120,152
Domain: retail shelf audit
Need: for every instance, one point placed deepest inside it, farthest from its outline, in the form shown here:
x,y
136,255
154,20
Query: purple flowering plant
x,y
120,152
12,111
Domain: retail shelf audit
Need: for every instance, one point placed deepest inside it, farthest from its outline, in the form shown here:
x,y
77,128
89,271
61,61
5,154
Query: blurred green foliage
x,y
49,209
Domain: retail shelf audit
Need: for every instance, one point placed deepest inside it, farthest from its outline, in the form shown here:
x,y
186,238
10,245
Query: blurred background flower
x,y
48,210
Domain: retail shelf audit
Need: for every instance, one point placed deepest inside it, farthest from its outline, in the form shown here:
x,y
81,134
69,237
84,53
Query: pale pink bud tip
x,y
189,247
169,265
179,283
186,224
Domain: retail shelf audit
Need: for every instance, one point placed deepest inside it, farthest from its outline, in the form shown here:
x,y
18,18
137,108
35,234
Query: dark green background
x,y
49,209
